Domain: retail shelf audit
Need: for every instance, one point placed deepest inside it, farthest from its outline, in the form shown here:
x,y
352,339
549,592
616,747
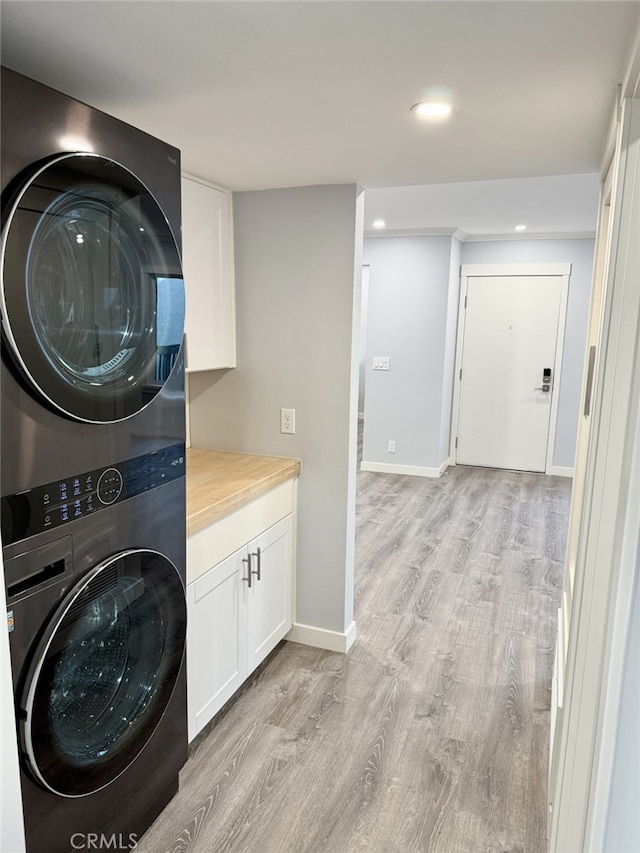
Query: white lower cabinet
x,y
216,641
269,596
238,611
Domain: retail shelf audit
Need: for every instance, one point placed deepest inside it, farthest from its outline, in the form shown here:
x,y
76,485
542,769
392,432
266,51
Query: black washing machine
x,y
92,466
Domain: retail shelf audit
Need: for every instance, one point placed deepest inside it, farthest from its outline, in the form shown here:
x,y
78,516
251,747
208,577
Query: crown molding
x,y
551,235
411,232
461,235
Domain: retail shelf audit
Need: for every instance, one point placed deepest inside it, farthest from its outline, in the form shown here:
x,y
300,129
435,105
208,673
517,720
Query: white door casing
x,y
609,538
582,479
511,327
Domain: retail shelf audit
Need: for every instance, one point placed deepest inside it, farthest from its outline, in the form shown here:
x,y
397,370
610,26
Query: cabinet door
x,y
207,260
270,596
216,640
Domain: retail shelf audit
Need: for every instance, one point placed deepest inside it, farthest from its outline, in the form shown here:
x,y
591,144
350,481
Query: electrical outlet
x,y
392,447
288,421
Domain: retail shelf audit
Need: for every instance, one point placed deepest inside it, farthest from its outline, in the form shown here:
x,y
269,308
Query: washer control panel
x,y
110,485
58,503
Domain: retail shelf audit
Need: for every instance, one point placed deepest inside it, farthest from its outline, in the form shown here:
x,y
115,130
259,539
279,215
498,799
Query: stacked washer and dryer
x,y
92,467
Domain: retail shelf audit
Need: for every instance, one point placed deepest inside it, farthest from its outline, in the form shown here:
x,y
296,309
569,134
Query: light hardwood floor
x,y
432,734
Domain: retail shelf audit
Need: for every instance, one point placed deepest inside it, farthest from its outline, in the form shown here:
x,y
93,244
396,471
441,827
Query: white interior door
x,y
595,756
510,339
580,493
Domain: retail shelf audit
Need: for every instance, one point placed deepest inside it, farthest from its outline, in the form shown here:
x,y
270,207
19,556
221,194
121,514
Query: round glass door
x,y
92,290
104,672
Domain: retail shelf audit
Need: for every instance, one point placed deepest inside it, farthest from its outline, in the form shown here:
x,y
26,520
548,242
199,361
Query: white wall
x,y
450,347
408,322
578,252
362,339
412,318
298,257
11,824
623,819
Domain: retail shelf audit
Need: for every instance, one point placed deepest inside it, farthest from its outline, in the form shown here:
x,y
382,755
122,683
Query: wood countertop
x,y
219,482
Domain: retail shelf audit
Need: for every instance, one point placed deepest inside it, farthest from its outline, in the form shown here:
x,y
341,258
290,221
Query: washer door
x,y
103,673
92,290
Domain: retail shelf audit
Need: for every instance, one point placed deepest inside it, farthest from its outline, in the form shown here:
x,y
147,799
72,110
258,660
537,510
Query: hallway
x,y
432,734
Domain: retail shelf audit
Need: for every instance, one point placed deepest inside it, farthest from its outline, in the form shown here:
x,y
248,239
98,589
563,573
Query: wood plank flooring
x,y
432,734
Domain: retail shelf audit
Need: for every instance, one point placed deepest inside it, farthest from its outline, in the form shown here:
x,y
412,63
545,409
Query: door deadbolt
x,y
546,380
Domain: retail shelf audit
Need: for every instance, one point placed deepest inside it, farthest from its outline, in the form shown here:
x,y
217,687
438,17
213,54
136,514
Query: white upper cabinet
x,y
207,261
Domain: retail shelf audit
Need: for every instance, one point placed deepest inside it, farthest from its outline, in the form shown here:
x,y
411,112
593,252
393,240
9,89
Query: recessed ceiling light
x,y
432,109
520,228
379,224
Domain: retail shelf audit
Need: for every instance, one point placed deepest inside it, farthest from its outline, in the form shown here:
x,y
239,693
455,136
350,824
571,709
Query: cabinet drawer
x,y
211,545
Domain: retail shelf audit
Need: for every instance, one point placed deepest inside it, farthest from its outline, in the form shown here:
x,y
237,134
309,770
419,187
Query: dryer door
x,y
103,673
92,293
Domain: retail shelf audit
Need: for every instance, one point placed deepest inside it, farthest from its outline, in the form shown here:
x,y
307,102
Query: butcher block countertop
x,y
219,482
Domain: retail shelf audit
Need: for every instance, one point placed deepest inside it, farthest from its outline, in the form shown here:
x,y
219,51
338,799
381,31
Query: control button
x,y
109,486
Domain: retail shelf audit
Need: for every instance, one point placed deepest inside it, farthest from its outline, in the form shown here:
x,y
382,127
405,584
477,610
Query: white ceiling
x,y
559,205
273,94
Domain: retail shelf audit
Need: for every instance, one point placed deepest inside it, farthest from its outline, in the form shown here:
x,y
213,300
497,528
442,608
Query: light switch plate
x,y
381,362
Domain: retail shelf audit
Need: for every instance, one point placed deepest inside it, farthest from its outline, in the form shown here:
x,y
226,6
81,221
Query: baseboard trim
x,y
321,638
559,471
412,470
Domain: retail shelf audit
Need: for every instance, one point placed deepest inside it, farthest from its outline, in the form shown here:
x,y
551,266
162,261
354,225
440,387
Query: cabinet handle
x,y
247,560
258,555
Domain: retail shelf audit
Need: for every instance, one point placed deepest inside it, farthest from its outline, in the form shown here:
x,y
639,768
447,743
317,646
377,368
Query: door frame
x,y
609,540
492,270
